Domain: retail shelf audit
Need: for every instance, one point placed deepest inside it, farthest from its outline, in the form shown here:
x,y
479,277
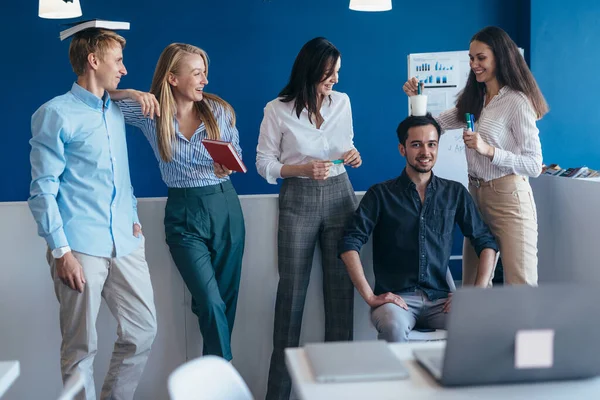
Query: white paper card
x,y
534,348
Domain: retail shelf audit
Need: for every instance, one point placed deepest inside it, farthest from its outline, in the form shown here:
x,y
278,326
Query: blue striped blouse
x,y
191,165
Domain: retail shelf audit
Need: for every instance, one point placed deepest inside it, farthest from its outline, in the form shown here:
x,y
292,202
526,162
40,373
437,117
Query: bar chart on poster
x,y
444,75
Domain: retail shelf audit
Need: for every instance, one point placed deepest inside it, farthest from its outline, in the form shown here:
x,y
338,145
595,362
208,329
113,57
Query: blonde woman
x,y
204,225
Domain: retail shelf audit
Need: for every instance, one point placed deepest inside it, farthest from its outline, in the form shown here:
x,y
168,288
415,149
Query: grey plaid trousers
x,y
310,210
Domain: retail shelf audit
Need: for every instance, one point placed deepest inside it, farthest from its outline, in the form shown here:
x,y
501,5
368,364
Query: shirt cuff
x,y
345,246
500,156
57,239
61,251
274,173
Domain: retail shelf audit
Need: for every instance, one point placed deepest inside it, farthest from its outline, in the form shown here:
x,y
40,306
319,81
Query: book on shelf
x,y
92,23
582,172
225,154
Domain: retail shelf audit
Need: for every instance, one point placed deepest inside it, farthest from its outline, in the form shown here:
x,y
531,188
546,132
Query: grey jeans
x,y
124,283
394,323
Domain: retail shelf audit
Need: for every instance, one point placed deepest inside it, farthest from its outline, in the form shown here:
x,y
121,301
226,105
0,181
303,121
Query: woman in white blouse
x,y
306,139
503,152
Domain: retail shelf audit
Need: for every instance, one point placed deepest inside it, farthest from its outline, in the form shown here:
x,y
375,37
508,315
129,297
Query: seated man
x,y
412,219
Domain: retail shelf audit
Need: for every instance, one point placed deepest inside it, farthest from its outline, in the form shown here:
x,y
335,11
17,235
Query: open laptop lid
x,y
505,334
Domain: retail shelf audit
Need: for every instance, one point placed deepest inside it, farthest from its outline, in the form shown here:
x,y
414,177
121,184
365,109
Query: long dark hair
x,y
314,63
511,71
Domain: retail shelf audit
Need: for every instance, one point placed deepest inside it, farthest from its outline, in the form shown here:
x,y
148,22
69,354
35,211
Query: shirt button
x,y
422,255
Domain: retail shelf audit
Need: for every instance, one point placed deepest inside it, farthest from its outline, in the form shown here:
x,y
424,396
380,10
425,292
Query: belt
x,y
477,182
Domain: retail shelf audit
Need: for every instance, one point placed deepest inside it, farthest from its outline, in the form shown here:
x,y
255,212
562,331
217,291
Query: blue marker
x,y
340,161
472,122
469,122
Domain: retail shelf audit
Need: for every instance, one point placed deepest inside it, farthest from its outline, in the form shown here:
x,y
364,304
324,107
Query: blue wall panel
x,y
252,45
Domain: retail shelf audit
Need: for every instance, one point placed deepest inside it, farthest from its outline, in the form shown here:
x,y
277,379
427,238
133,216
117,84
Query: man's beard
x,y
419,170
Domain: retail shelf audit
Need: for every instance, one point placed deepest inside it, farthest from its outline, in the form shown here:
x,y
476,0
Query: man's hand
x,y
147,101
137,230
318,170
352,158
448,303
70,272
388,297
221,171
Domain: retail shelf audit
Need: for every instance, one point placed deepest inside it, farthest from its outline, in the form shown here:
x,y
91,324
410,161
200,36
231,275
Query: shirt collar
x,y
325,107
89,98
503,90
405,183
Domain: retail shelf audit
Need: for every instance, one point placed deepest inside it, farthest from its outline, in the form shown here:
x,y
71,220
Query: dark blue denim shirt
x,y
412,242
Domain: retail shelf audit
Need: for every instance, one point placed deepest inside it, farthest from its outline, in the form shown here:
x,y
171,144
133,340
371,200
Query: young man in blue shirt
x,y
412,219
83,203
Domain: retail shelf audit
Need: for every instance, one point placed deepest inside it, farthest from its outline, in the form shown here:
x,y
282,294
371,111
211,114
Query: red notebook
x,y
224,154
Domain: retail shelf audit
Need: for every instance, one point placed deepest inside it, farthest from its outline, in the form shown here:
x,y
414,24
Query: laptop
x,y
515,334
354,361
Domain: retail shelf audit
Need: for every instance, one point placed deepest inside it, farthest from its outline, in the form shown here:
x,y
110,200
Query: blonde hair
x,y
92,40
170,62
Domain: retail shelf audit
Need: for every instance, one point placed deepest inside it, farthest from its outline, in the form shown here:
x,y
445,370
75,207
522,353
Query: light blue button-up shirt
x,y
81,194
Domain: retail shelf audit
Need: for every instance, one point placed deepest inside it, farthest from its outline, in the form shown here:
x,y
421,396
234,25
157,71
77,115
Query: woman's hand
x,y
474,141
221,171
411,87
352,158
318,170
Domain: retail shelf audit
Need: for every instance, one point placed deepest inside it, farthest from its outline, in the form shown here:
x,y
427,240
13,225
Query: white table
x,y
9,372
421,385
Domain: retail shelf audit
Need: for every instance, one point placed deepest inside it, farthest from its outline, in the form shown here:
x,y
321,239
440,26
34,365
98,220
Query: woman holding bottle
x,y
503,151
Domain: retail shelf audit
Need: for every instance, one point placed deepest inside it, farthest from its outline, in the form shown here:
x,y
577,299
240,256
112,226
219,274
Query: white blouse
x,y
286,139
507,123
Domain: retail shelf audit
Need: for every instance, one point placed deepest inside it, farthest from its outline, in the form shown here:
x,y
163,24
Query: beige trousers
x,y
508,208
125,285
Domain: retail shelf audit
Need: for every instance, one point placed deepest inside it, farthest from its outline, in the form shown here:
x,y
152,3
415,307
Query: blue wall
x,y
565,38
252,45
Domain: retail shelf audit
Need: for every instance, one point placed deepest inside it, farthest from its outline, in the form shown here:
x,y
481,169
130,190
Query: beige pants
x,y
508,208
125,285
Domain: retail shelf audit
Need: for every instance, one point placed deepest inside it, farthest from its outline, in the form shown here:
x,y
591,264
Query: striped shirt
x,y
507,123
191,165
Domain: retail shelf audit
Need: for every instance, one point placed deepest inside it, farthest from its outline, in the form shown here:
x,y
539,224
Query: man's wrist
x,y
60,251
369,297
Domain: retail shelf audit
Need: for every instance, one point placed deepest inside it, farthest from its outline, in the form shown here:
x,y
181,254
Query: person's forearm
x,y
290,171
120,94
355,269
487,259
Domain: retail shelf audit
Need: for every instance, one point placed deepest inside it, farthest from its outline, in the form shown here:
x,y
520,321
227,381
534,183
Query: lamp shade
x,y
59,9
371,5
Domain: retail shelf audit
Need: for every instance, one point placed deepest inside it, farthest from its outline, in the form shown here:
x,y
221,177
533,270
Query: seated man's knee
x,y
390,324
